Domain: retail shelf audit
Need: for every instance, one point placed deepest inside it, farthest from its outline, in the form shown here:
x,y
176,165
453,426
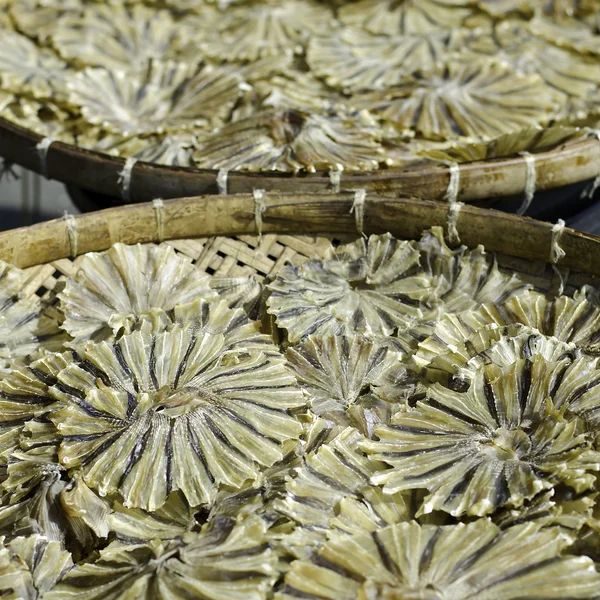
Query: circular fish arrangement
x,y
302,85
389,419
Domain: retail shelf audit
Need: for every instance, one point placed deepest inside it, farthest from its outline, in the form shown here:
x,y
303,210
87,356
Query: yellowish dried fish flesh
x,y
297,91
337,470
382,286
576,34
462,562
499,345
31,566
25,396
338,372
114,291
499,443
233,563
532,139
172,520
26,68
371,286
574,320
418,17
152,414
38,19
216,318
291,141
264,28
25,328
116,36
158,98
355,60
481,100
512,40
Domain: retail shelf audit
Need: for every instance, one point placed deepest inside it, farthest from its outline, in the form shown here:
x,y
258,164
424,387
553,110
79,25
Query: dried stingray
x,y
574,320
417,17
482,100
31,566
116,36
355,60
114,291
464,561
159,97
292,140
177,409
226,562
263,28
499,443
532,139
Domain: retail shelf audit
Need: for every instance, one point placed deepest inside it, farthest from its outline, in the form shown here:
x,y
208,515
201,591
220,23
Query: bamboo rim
x,y
570,163
520,238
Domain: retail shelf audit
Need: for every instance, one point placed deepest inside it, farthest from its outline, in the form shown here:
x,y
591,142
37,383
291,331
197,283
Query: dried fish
x,y
499,443
38,19
511,40
355,60
25,327
499,345
464,561
174,411
114,291
336,472
291,141
264,28
25,396
222,563
579,34
574,320
417,17
31,566
381,286
159,97
339,372
116,36
26,68
481,100
532,139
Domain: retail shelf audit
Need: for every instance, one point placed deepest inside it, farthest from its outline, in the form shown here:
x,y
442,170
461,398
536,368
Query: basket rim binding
x,y
570,163
520,243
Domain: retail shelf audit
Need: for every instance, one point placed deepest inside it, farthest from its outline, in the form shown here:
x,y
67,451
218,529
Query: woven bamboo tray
x,y
573,162
249,234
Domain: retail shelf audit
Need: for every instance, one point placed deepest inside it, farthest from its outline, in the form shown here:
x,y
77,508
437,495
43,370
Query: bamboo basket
x,y
570,163
254,234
